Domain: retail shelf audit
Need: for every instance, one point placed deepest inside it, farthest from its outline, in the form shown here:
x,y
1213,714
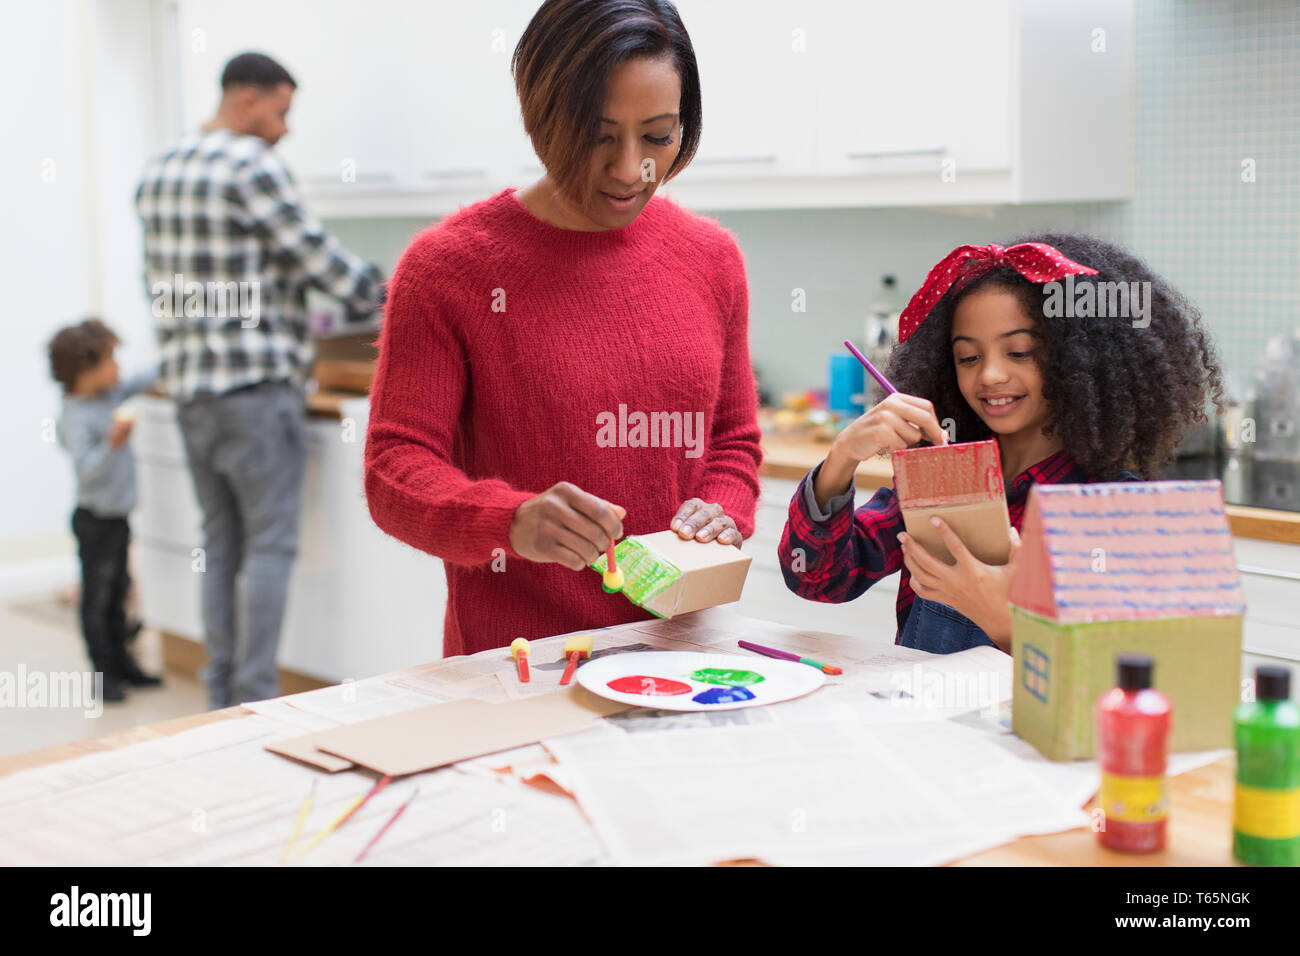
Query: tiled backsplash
x,y
1218,84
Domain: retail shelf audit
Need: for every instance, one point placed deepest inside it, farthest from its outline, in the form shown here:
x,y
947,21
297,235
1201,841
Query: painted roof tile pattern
x,y
1128,550
948,474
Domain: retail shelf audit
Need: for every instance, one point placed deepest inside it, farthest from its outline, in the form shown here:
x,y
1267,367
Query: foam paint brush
x,y
612,579
519,651
576,648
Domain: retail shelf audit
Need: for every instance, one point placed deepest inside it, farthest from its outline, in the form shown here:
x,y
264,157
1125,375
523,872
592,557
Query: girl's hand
x,y
702,521
900,421
970,586
565,525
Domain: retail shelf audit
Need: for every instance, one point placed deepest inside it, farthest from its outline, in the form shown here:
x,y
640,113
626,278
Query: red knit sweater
x,y
505,339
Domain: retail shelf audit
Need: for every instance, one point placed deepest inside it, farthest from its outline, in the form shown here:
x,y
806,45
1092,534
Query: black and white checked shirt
x,y
219,209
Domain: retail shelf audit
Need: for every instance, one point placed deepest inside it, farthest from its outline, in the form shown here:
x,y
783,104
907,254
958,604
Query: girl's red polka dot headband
x,y
1036,261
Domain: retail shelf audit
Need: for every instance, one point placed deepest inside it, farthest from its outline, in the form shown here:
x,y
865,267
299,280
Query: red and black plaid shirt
x,y
852,550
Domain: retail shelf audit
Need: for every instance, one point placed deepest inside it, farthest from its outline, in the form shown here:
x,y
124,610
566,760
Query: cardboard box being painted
x,y
962,484
1143,567
669,576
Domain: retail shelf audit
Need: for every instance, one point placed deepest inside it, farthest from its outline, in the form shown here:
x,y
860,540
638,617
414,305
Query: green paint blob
x,y
723,675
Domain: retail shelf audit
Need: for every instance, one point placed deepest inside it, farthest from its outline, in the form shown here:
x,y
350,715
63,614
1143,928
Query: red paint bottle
x,y
1133,721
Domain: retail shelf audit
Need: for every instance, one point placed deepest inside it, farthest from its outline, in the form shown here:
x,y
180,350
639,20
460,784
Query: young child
x,y
95,432
1072,393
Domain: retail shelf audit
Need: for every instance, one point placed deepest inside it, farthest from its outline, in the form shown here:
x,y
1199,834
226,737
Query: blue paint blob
x,y
723,695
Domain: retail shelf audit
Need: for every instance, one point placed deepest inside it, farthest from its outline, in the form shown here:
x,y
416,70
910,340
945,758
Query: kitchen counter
x,y
328,402
1263,496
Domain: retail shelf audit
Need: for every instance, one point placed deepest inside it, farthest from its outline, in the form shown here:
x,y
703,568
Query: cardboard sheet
x,y
430,737
304,749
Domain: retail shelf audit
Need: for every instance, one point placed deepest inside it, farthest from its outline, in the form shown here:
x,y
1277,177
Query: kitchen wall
x,y
1218,83
70,243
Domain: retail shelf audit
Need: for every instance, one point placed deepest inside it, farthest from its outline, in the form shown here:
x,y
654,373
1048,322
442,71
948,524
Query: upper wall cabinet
x,y
409,108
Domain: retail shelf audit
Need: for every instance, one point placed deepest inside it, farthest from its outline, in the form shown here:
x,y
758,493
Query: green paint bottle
x,y
1266,810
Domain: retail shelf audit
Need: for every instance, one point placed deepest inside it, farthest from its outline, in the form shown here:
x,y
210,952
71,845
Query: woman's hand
x,y
565,525
900,421
702,521
970,586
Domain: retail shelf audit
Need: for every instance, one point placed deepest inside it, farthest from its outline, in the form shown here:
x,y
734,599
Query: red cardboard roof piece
x,y
948,474
1127,550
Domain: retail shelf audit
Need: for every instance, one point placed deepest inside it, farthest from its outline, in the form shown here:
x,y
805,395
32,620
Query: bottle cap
x,y
1272,682
1133,671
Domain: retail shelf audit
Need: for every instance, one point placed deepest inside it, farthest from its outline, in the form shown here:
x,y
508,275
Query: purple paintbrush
x,y
884,382
787,656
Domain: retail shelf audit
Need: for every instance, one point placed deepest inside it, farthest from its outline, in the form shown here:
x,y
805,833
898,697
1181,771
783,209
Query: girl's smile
x,y
994,344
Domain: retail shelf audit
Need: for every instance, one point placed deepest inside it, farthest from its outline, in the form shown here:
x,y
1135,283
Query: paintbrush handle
x,y
573,666
871,369
768,651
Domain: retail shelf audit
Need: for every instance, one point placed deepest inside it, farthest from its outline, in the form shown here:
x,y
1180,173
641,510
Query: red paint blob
x,y
649,686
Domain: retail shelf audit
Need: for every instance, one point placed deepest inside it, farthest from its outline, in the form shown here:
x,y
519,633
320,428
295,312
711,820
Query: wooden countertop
x,y
324,402
1200,816
792,459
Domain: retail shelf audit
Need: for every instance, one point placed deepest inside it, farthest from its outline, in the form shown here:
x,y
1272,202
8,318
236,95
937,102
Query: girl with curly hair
x,y
1080,361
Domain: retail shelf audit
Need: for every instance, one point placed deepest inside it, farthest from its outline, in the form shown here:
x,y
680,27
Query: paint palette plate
x,y
682,680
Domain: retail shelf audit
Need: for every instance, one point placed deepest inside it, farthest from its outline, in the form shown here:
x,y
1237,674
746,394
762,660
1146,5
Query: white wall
x,y
78,124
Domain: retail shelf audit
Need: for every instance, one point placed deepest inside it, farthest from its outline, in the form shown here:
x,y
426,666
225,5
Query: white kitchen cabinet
x,y
397,105
756,83
343,121
360,602
902,85
1270,577
832,103
938,103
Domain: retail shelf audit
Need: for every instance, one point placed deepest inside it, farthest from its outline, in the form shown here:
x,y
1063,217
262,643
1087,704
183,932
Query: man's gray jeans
x,y
246,452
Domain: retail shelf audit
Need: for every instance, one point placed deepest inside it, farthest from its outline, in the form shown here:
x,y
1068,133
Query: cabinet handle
x,y
1268,572
334,180
729,160
455,173
887,152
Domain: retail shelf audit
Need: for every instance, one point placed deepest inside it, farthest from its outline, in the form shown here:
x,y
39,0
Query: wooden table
x,y
1200,817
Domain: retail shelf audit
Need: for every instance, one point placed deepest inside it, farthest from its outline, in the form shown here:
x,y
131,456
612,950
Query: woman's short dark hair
x,y
1123,395
79,348
562,65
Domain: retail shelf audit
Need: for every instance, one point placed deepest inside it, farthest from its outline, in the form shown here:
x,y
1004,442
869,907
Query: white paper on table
x,y
740,792
355,701
276,709
145,802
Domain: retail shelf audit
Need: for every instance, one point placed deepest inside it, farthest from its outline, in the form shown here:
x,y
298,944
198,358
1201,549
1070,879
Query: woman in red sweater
x,y
569,363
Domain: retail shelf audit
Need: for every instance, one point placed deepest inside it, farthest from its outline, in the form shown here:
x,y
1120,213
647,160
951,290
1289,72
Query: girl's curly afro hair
x,y
1122,397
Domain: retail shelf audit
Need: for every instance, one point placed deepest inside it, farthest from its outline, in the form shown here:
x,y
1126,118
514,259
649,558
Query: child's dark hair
x,y
1122,397
78,348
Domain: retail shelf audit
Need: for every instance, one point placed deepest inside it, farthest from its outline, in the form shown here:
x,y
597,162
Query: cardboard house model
x,y
1144,567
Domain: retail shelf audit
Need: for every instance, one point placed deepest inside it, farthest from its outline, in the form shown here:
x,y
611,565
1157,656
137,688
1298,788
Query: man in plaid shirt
x,y
229,255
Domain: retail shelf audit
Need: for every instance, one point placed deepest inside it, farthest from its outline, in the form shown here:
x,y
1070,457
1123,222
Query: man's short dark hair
x,y
255,69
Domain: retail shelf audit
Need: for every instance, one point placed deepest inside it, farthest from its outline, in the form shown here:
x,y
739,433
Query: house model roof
x,y
1128,550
